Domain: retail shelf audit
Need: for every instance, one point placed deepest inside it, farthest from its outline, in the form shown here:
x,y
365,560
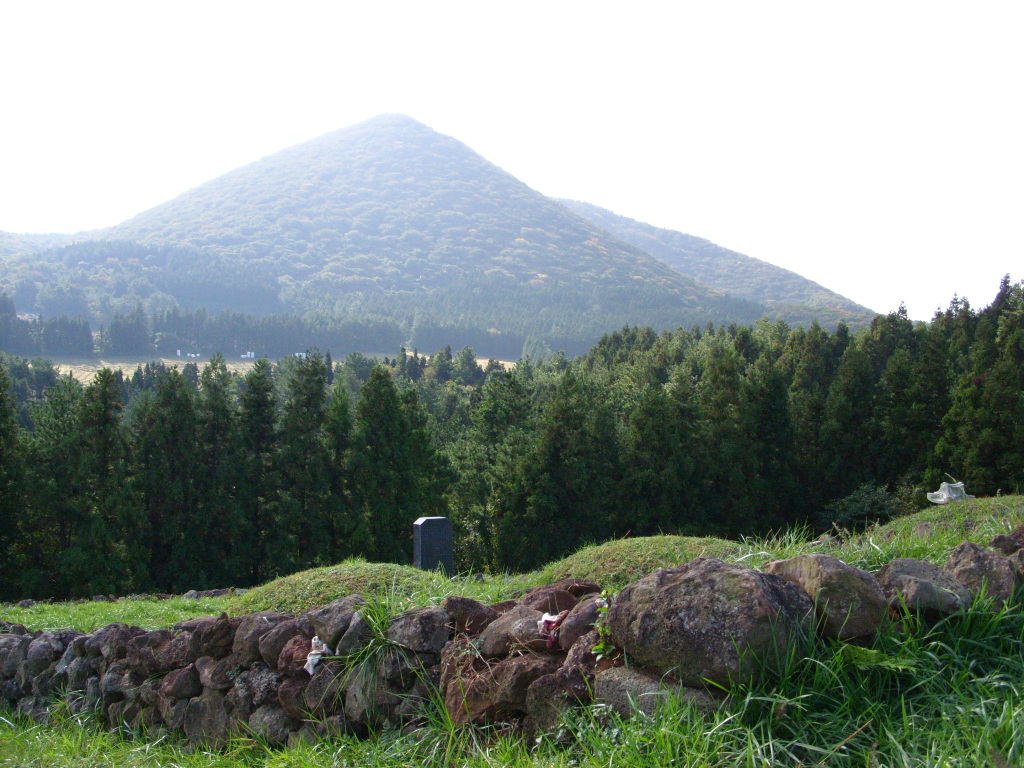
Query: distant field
x,y
84,369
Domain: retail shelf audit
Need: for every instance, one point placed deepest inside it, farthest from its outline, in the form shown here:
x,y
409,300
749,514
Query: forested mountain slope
x,y
386,222
787,295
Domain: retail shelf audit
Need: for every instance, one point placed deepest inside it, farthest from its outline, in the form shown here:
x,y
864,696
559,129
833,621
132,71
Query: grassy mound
x,y
319,586
617,563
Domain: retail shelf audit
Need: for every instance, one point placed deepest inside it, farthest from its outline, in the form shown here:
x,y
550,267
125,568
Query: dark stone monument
x,y
432,545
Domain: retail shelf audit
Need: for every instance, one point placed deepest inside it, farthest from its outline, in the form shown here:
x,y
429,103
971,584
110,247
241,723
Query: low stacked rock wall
x,y
694,631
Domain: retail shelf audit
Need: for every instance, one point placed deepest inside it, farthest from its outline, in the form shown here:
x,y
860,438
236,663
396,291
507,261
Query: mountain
x,y
386,220
787,295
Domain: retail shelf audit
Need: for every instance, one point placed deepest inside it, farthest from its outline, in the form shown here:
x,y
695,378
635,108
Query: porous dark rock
x,y
498,693
550,696
111,641
13,650
922,587
206,721
212,637
550,599
469,616
582,656
112,682
423,630
332,620
1004,543
370,699
172,711
324,696
516,629
848,601
252,627
291,695
273,642
980,569
579,622
708,620
41,654
219,674
272,724
628,690
356,637
182,683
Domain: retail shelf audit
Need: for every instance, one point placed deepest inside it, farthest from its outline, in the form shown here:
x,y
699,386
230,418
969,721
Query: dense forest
x,y
169,479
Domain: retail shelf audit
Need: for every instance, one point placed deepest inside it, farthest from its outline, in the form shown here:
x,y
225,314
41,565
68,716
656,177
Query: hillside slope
x,y
391,222
787,295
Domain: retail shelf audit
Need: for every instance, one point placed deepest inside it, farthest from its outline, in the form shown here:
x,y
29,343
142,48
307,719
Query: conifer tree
x,y
114,544
11,486
396,474
222,477
260,488
304,527
164,427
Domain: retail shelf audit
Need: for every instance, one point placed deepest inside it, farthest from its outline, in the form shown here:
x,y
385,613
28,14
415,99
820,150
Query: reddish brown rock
x,y
292,660
981,569
579,622
504,606
468,615
499,692
291,696
551,600
182,683
273,642
213,637
246,645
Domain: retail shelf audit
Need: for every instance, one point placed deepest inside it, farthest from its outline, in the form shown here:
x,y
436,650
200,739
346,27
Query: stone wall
x,y
694,631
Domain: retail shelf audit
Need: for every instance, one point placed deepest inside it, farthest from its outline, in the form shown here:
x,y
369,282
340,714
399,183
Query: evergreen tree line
x,y
173,479
167,480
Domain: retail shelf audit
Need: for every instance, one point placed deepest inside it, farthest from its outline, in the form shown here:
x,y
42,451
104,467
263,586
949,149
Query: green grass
x,y
89,616
617,563
949,694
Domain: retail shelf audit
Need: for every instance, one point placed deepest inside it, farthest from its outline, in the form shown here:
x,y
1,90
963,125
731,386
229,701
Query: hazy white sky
x,y
876,147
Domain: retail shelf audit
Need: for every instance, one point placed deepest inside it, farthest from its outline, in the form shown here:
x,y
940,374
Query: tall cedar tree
x,y
396,475
223,472
114,543
11,486
260,489
304,526
54,520
164,425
